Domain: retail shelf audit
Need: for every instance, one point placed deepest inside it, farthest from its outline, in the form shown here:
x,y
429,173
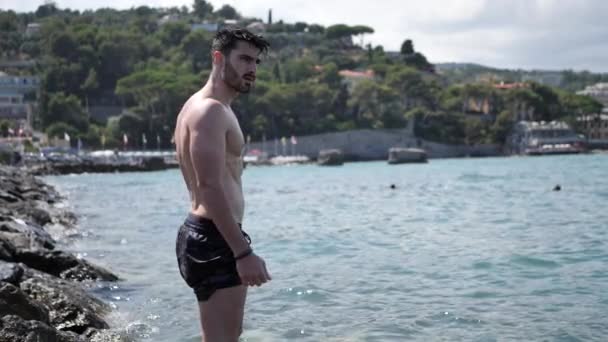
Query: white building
x,y
13,107
598,91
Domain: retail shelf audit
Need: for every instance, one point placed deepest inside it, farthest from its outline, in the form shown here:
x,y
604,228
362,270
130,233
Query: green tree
x,y
59,129
197,46
338,31
202,8
227,12
47,9
64,45
171,34
502,127
67,109
4,126
331,75
412,88
407,48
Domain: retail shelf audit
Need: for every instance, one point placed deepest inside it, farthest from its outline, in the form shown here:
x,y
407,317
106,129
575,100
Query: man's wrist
x,y
247,252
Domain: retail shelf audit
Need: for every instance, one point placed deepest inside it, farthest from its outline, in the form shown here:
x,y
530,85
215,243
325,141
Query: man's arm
x,y
208,152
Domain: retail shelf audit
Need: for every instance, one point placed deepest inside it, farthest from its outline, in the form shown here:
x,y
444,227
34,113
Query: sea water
x,y
459,250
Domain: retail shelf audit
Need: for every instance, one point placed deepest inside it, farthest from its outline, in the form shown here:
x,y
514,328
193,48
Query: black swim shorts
x,y
205,260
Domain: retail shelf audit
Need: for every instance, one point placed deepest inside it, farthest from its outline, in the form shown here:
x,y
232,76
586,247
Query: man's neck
x,y
219,90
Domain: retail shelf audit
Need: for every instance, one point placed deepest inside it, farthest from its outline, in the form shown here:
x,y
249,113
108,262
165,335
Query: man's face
x,y
241,67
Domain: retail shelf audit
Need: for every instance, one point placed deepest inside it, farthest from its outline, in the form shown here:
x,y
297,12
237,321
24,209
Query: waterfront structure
x,y
537,138
595,125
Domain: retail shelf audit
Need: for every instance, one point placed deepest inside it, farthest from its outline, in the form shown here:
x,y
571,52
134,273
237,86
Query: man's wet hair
x,y
225,40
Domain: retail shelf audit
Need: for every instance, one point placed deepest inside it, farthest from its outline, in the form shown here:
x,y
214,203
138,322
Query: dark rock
x,y
63,264
398,155
153,163
70,307
7,249
9,197
333,157
39,216
16,329
36,234
10,272
14,302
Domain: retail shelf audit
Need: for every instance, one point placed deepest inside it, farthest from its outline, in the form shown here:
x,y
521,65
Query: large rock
x,y
398,155
36,304
9,197
10,273
37,236
16,329
28,209
7,249
332,157
70,307
63,264
14,302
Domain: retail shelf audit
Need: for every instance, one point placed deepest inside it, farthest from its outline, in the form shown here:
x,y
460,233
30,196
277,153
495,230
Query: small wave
x,y
478,177
482,265
482,294
534,262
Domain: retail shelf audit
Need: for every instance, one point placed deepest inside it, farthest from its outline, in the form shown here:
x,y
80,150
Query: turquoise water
x,y
461,250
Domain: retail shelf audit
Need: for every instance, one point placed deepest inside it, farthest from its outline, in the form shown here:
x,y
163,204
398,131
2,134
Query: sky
x,y
514,34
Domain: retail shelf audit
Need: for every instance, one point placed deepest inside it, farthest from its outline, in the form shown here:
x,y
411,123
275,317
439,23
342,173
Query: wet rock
x,y
14,302
63,264
70,307
36,215
332,157
10,273
7,249
36,234
8,197
36,304
16,329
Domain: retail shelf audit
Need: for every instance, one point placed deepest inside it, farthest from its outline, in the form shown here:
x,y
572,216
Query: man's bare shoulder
x,y
205,112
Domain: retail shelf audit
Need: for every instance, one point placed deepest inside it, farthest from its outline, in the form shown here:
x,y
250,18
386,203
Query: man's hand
x,y
252,270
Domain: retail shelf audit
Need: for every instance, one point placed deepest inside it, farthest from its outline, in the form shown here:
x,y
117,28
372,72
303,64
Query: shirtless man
x,y
213,253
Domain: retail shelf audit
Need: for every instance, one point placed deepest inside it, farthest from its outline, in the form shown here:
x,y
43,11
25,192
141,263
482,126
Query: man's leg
x,y
222,314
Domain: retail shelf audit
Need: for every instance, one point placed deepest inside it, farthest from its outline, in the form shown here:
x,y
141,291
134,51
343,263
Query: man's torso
x,y
233,160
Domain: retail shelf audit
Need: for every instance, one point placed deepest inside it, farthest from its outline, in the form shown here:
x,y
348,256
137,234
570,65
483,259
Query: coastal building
x,y
537,138
13,105
205,26
598,91
352,77
32,29
595,126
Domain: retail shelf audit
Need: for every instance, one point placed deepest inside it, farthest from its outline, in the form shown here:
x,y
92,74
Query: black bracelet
x,y
244,254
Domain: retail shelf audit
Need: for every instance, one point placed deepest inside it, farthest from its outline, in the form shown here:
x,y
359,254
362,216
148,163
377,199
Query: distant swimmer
x,y
393,186
557,188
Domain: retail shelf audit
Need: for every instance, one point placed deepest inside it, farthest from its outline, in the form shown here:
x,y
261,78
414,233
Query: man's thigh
x,y
222,314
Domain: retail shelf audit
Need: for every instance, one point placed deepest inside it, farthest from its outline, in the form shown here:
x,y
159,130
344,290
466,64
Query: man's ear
x,y
218,57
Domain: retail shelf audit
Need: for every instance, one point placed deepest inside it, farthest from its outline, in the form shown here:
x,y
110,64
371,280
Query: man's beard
x,y
234,81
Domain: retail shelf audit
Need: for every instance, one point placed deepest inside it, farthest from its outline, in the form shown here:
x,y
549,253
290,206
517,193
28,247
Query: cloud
x,y
542,34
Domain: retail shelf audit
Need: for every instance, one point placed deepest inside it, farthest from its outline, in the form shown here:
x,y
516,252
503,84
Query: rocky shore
x,y
43,293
